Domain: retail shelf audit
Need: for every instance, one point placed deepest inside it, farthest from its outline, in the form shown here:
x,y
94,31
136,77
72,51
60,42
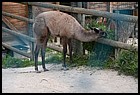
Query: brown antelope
x,y
59,24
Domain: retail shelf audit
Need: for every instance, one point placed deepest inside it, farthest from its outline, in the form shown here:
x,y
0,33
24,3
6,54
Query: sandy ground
x,y
75,80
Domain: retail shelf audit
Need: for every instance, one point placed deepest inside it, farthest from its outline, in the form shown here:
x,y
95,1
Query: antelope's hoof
x,y
38,71
64,68
46,70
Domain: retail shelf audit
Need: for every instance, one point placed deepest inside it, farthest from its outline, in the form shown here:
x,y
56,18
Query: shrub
x,y
126,63
11,62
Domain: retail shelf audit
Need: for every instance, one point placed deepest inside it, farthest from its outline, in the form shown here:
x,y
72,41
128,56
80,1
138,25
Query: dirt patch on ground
x,y
75,80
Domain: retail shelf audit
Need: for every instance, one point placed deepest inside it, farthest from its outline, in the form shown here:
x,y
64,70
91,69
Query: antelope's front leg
x,y
64,53
70,49
43,57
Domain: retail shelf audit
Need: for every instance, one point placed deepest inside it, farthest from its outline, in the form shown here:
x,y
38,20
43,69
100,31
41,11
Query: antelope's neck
x,y
86,36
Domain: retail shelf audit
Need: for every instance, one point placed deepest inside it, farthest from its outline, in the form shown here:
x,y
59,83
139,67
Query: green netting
x,y
100,52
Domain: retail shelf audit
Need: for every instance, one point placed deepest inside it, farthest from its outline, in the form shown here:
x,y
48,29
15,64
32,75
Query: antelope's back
x,y
59,23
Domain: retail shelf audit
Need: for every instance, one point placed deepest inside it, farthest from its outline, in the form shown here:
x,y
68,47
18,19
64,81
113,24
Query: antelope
x,y
60,24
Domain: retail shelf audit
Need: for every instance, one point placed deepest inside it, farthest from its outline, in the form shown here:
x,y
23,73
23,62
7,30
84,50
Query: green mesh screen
x,y
100,52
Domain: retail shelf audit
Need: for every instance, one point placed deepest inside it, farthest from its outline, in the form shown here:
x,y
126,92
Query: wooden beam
x,y
104,14
117,44
16,50
56,48
49,45
10,25
113,43
18,34
17,17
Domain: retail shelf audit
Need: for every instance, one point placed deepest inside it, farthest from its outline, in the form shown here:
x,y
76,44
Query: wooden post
x,y
80,48
30,32
108,9
83,21
116,37
108,6
77,45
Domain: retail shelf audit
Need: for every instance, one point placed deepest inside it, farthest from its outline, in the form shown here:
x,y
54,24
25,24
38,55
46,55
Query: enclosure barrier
x,y
113,43
16,50
12,32
16,33
17,17
115,16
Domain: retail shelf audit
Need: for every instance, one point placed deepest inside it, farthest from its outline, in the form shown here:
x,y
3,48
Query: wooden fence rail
x,y
118,44
114,16
104,14
12,32
16,50
113,43
18,34
17,17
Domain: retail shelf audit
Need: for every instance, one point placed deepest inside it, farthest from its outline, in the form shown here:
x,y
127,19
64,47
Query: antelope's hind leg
x,y
37,48
44,39
43,50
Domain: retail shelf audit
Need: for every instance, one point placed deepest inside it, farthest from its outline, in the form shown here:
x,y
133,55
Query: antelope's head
x,y
99,31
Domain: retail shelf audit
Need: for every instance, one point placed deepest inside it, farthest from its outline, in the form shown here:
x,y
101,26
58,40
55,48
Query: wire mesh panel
x,y
120,30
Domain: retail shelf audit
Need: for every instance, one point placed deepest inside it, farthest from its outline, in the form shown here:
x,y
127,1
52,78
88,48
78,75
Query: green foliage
x,y
90,45
126,63
94,23
55,58
11,62
79,60
48,50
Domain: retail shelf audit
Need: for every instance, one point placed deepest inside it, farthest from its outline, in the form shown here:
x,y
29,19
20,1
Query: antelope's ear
x,y
103,34
96,30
